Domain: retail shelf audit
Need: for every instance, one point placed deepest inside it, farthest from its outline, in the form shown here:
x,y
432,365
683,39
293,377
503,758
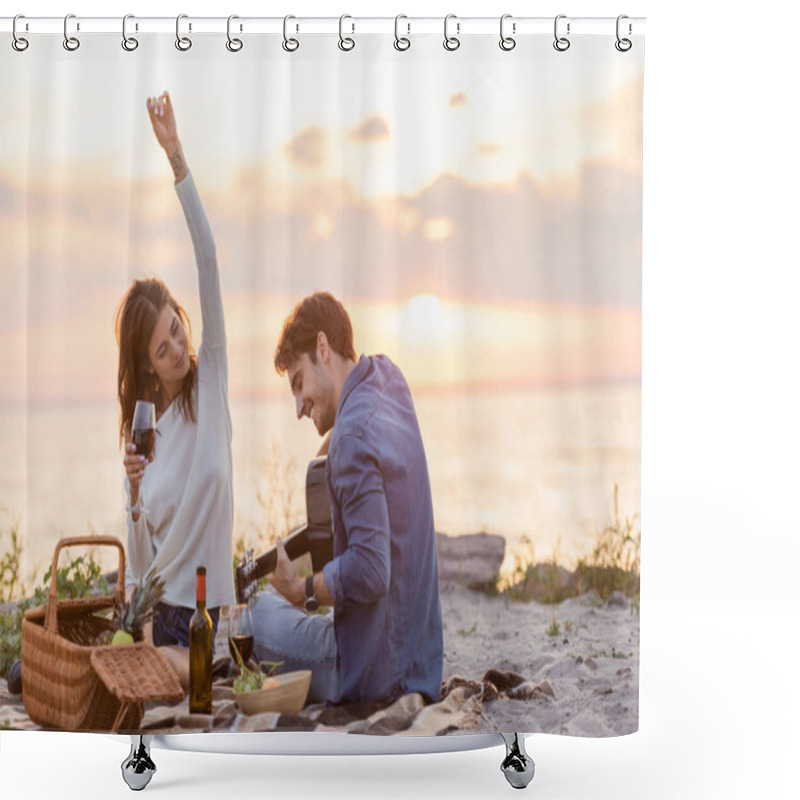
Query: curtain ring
x,y
561,43
289,45
506,42
71,43
401,43
183,43
18,42
234,45
451,42
623,45
129,43
346,43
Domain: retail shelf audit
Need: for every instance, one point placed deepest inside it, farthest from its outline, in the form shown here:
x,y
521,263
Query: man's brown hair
x,y
320,311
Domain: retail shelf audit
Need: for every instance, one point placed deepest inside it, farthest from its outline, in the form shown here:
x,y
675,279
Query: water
x,y
538,463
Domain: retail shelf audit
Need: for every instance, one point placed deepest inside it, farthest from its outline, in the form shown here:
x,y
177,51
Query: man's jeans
x,y
283,632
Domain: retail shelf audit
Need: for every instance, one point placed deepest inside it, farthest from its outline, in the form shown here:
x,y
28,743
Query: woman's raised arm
x,y
165,128
162,118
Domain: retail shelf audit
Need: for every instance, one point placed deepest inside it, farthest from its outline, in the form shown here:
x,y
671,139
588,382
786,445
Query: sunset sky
x,y
480,232
478,213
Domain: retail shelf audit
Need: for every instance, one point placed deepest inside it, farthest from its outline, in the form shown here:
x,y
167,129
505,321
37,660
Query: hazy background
x,y
483,229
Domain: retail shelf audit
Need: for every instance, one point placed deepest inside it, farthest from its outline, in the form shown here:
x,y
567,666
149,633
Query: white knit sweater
x,y
187,491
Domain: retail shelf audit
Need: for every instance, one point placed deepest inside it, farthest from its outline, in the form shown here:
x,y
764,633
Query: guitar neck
x,y
296,543
312,539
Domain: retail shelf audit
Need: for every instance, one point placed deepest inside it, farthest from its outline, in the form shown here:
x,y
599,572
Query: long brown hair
x,y
136,319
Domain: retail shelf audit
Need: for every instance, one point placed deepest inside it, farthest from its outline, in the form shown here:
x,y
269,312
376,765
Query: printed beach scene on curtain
x,y
478,217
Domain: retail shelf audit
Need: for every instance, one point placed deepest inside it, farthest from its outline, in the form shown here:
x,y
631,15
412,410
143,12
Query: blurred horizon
x,y
540,466
482,229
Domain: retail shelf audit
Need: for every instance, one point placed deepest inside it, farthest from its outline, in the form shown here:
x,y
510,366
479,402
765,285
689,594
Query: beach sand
x,y
592,665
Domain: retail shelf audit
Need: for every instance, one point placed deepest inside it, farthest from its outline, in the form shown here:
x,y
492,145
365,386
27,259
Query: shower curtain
x,y
403,277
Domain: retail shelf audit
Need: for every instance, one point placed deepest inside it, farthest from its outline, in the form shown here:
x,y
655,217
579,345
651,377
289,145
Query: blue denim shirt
x,y
384,576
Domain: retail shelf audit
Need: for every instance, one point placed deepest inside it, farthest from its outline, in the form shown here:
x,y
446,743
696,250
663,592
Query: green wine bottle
x,y
201,649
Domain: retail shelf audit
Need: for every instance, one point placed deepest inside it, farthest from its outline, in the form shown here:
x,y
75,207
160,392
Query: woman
x,y
180,511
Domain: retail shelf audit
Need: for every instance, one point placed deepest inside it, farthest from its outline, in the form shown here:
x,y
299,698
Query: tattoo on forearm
x,y
176,161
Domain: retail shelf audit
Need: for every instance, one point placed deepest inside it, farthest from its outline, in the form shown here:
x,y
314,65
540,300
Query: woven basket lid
x,y
137,673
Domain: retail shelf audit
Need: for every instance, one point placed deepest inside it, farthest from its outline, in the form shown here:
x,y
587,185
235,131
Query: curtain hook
x,y
18,42
451,42
71,43
345,43
290,45
401,42
129,43
183,43
507,42
234,45
561,43
623,45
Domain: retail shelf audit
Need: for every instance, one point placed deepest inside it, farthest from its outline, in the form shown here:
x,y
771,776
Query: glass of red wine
x,y
144,429
240,632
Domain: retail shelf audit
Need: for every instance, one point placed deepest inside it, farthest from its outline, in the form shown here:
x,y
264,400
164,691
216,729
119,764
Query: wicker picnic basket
x,y
71,683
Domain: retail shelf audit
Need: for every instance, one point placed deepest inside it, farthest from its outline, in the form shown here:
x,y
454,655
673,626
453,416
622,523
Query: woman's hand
x,y
162,118
135,466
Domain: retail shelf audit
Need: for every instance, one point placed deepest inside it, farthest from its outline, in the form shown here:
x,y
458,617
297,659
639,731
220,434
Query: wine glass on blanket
x,y
240,632
144,429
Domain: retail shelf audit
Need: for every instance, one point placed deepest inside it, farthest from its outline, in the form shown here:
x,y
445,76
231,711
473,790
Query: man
x,y
385,638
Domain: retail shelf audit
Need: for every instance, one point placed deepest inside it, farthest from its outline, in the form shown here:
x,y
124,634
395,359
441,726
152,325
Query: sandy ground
x,y
592,665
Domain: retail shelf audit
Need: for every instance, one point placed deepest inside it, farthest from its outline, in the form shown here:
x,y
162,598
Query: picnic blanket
x,y
459,709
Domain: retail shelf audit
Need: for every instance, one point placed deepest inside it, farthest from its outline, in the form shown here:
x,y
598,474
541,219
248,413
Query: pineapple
x,y
131,615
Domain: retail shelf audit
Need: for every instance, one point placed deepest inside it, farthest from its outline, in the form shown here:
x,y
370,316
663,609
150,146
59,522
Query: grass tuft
x,y
282,504
81,578
613,565
554,629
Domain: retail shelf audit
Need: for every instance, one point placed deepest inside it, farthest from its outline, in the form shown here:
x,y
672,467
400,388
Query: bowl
x,y
288,697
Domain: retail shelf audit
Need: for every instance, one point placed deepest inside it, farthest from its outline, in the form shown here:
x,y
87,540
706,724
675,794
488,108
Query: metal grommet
x,y
19,43
561,43
289,45
71,43
345,42
401,43
451,42
623,45
183,43
128,42
506,42
234,45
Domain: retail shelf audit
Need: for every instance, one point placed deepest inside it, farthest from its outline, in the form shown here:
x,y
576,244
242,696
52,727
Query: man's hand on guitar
x,y
285,578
